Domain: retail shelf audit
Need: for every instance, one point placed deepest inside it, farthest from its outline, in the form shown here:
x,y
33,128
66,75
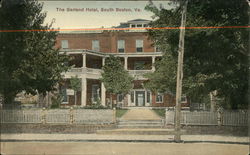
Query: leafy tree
x,y
215,59
28,59
75,84
115,78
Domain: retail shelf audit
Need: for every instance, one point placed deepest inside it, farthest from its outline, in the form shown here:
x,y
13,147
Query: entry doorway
x,y
140,98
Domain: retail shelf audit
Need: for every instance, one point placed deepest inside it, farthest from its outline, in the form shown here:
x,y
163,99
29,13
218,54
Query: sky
x,y
96,14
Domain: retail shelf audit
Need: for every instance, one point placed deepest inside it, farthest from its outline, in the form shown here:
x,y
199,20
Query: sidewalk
x,y
122,138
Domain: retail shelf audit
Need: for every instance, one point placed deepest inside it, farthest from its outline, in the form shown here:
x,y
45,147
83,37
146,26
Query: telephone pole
x,y
177,136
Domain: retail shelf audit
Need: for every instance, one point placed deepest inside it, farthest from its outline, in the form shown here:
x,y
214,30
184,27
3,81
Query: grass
x,y
160,112
120,112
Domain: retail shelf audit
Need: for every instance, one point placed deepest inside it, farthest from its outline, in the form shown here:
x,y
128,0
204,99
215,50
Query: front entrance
x,y
140,98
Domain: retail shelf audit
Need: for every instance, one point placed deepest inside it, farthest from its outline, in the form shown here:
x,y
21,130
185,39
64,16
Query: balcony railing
x,y
85,70
139,72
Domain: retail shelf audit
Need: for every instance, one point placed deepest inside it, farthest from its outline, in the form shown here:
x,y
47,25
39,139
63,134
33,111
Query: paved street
x,y
107,148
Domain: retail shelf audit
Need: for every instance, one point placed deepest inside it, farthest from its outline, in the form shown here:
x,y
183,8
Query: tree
x,y
75,84
115,78
215,59
28,59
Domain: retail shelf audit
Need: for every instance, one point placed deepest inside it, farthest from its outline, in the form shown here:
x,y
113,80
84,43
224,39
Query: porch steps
x,y
138,131
140,124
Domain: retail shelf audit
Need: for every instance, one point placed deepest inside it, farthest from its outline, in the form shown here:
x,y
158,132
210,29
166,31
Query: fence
x,y
58,116
230,118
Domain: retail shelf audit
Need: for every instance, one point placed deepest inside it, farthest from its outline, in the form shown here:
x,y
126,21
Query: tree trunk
x,y
41,100
8,97
177,136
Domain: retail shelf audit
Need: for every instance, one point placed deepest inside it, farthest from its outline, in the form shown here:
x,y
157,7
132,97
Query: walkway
x,y
140,114
122,138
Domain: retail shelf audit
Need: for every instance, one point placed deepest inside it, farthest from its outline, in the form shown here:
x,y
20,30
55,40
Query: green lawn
x,y
120,112
160,112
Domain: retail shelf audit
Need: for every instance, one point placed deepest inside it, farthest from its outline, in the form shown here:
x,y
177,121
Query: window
x,y
159,98
64,96
64,44
139,45
145,25
121,46
148,96
157,49
133,25
183,99
119,98
95,45
139,25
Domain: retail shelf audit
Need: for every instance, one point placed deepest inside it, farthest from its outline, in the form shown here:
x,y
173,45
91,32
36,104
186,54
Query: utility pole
x,y
177,136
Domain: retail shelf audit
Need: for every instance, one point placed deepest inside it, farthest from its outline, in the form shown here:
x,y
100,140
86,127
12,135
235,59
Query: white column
x,y
84,60
153,63
84,92
126,63
103,61
103,95
129,99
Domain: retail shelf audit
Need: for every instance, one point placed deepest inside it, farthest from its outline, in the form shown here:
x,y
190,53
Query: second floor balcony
x,y
91,64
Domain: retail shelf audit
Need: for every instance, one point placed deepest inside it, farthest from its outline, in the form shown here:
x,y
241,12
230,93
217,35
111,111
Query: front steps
x,y
140,123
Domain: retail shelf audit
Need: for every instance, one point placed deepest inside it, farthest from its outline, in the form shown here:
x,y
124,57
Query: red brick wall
x,y
107,40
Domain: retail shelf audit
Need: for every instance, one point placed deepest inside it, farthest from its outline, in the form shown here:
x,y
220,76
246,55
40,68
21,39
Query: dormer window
x,y
133,25
139,25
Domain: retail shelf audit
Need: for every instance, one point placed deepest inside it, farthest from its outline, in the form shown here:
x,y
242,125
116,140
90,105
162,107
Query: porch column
x,y
153,62
126,63
103,95
103,61
84,60
129,99
84,92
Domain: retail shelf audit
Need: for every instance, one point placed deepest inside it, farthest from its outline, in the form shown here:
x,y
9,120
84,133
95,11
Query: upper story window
x,y
121,46
139,45
95,45
64,44
139,25
159,98
184,99
119,97
157,49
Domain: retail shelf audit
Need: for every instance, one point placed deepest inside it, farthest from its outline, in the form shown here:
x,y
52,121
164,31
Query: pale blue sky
x,y
86,19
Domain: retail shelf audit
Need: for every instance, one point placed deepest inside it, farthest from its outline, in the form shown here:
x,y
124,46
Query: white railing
x,y
231,118
139,72
58,116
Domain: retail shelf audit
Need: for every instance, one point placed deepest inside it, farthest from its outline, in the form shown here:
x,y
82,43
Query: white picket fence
x,y
230,118
58,116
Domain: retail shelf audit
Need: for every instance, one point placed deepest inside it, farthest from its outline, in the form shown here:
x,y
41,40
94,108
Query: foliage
x,y
215,59
115,78
95,106
164,77
120,112
56,101
160,112
28,60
